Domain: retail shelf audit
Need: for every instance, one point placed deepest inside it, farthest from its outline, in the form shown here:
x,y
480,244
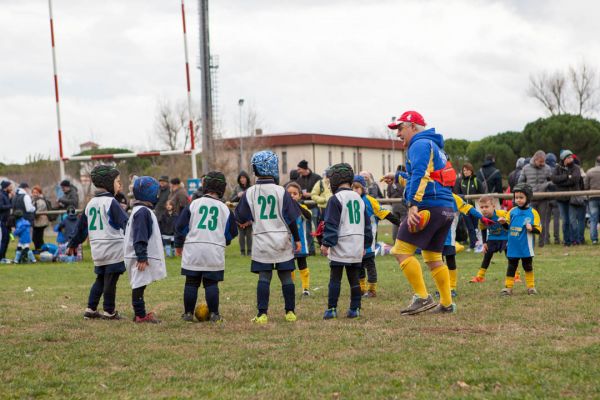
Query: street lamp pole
x,y
241,104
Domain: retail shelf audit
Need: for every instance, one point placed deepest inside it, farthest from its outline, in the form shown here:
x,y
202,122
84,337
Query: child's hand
x,y
71,251
324,250
485,248
178,251
141,265
502,220
298,247
245,224
487,222
529,227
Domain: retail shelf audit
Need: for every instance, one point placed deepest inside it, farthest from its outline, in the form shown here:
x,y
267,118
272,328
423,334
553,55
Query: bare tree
x,y
584,82
557,86
539,89
168,125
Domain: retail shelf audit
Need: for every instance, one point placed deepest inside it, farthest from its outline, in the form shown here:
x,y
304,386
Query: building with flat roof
x,y
375,155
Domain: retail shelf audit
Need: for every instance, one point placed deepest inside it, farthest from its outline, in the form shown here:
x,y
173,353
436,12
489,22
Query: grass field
x,y
545,346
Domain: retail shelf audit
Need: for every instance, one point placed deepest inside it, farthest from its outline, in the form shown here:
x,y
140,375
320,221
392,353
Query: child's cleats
x,y
370,294
453,293
110,316
418,305
440,309
330,313
353,313
260,319
477,279
506,292
91,314
531,291
305,292
290,316
150,318
214,317
187,317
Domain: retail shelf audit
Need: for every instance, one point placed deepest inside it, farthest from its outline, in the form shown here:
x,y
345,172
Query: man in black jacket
x,y
490,175
307,181
163,195
5,207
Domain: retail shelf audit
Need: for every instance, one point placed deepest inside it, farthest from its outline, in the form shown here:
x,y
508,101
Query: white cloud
x,y
331,67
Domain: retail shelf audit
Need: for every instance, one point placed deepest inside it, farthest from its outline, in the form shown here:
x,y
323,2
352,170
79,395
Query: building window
x,y
383,164
330,158
354,161
360,167
390,167
284,165
342,156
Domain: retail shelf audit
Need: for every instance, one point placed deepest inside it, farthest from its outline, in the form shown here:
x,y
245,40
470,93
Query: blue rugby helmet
x,y
146,188
265,163
360,179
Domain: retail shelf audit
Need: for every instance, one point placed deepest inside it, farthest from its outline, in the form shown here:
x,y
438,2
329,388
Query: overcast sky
x,y
336,67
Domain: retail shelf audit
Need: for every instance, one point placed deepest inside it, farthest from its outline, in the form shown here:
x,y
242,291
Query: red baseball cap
x,y
408,116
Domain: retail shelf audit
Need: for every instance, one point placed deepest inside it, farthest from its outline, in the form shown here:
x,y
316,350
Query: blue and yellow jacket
x,y
375,214
301,222
464,208
496,231
425,154
520,241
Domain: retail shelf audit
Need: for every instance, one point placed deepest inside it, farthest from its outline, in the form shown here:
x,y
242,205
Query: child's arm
x,y
243,214
117,218
291,211
536,226
306,214
80,234
381,213
231,229
368,232
333,213
182,227
141,230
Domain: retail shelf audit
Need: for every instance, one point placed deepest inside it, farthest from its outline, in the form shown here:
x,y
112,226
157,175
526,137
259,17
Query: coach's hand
x,y
298,247
487,221
485,248
413,216
324,250
141,265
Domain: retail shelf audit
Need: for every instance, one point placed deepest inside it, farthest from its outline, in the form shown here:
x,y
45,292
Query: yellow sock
x,y
509,282
442,281
453,277
529,279
414,274
481,273
294,275
372,287
363,284
305,277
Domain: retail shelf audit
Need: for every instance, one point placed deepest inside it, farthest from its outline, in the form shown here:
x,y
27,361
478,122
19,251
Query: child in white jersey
x,y
103,221
272,213
144,254
346,237
203,229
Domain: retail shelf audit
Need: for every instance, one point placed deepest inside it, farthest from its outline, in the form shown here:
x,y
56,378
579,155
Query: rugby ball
x,y
424,216
201,312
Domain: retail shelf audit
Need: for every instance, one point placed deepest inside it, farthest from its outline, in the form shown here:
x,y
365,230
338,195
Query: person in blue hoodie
x,y
23,232
428,187
66,230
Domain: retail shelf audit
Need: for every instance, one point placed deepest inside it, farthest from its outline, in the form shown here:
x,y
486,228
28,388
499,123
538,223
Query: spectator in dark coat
x,y
490,175
373,189
469,184
5,207
395,190
70,195
307,180
244,234
163,196
553,206
178,196
567,178
513,177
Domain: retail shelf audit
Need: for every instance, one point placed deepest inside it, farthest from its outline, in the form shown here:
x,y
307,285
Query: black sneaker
x,y
114,316
187,317
91,314
418,305
214,317
440,309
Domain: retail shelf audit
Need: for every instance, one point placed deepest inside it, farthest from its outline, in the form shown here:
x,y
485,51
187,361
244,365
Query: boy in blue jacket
x,y
23,232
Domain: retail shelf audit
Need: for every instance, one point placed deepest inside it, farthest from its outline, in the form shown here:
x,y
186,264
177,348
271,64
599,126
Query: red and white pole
x,y
189,94
60,145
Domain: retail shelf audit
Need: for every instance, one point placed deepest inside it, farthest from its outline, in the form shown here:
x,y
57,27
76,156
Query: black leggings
x,y
301,263
513,264
451,261
38,237
335,283
104,286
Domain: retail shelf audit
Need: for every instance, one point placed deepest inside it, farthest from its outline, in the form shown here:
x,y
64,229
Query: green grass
x,y
547,346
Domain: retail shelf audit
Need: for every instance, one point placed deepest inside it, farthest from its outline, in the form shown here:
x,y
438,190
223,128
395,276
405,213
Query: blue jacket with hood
x,y
426,154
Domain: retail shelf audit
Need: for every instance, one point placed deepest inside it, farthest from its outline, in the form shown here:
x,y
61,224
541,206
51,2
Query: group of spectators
x,y
545,173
